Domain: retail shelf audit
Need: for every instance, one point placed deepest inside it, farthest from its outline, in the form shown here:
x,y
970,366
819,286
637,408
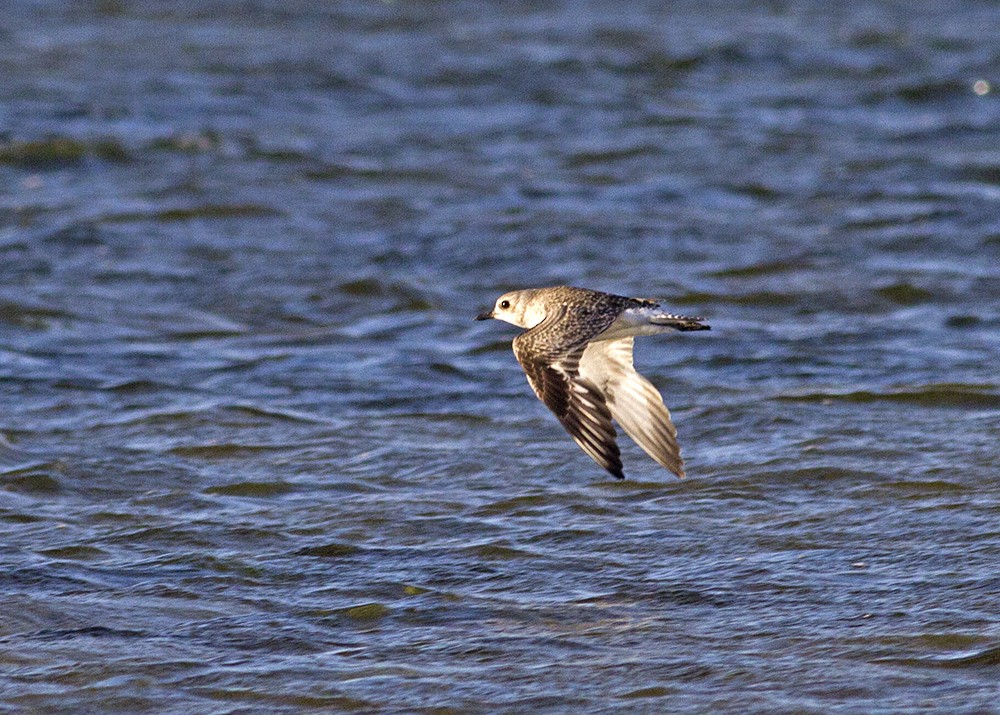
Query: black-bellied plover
x,y
577,354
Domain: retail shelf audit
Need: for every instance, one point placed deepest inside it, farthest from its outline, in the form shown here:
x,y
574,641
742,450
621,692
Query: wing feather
x,y
553,371
632,400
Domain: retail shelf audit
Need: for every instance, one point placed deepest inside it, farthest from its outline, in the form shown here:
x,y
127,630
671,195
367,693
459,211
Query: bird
x,y
577,356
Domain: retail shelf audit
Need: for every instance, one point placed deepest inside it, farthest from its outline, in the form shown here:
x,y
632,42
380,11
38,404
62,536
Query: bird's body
x,y
577,354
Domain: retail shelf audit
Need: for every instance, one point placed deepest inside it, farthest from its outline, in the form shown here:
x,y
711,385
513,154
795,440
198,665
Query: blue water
x,y
256,456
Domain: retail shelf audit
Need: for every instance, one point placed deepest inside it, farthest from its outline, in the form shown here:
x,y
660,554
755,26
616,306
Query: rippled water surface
x,y
257,457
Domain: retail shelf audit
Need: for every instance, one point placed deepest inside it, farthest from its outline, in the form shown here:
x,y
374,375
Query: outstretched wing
x,y
632,400
553,370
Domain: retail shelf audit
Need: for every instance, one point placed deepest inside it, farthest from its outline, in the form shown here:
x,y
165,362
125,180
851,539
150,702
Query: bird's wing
x,y
553,370
632,400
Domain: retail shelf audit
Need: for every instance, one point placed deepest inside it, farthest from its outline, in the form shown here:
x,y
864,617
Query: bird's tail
x,y
679,322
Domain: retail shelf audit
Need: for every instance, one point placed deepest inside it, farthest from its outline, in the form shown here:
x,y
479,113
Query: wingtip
x,y
615,470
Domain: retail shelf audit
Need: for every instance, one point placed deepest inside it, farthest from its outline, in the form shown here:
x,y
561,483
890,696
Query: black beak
x,y
484,316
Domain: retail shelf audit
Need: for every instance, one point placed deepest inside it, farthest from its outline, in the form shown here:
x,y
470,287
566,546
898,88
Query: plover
x,y
577,354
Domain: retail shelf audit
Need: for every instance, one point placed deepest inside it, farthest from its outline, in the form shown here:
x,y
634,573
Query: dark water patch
x,y
223,451
81,234
937,641
528,505
983,173
367,612
167,591
498,552
256,147
74,553
604,157
988,659
595,509
60,152
32,317
40,478
363,614
203,212
20,518
663,68
412,590
136,387
449,369
870,37
491,346
193,563
158,533
390,211
922,488
271,414
948,395
755,190
409,296
280,702
66,580
903,293
211,254
764,268
564,536
657,594
332,550
634,486
962,321
932,92
77,384
238,636
197,324
656,691
252,490
203,415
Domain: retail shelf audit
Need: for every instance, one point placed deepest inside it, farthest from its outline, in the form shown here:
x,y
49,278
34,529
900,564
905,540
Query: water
x,y
257,457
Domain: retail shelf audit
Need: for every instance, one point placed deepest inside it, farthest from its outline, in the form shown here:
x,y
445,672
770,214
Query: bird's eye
x,y
504,304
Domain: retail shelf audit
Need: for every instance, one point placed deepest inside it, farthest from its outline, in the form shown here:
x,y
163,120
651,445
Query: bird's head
x,y
517,308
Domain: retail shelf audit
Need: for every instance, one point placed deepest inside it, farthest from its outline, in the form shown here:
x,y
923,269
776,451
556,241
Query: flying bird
x,y
577,354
